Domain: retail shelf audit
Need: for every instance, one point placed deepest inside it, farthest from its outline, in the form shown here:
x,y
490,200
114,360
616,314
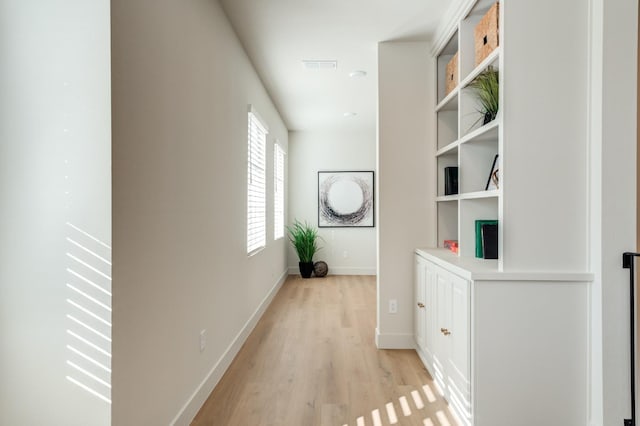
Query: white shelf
x,y
487,132
492,59
479,194
445,198
448,149
449,102
469,196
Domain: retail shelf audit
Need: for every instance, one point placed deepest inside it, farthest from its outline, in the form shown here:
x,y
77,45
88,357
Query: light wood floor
x,y
312,360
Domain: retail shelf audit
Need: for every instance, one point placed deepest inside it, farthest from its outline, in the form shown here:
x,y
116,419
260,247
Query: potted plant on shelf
x,y
486,88
304,239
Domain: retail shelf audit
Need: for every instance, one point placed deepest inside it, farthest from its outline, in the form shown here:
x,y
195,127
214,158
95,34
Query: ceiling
x,y
279,34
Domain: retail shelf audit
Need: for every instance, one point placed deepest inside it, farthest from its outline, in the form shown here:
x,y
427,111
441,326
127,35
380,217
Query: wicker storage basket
x,y
451,79
486,33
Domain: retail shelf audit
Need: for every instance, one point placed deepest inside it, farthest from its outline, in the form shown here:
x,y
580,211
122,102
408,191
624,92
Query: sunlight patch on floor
x,y
391,413
431,397
407,411
417,400
375,415
404,404
442,419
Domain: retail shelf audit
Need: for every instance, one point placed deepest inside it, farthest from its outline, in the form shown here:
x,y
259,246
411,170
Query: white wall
x,y
310,152
405,180
55,180
545,142
181,86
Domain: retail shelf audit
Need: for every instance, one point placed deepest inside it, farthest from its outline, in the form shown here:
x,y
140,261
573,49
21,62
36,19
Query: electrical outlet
x,y
393,306
345,254
203,340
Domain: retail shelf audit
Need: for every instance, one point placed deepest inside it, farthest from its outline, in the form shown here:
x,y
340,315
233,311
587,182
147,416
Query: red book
x,y
451,245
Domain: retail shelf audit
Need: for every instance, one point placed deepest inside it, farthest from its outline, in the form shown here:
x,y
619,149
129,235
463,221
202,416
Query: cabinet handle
x,y
420,305
445,331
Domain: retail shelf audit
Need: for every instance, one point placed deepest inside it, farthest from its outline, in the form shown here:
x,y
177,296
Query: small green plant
x,y
486,87
304,239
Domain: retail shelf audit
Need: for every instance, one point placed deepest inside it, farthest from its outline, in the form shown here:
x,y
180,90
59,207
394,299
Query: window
x,y
278,192
256,189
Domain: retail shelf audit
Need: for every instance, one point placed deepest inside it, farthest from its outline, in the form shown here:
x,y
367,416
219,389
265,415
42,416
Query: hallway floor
x,y
312,360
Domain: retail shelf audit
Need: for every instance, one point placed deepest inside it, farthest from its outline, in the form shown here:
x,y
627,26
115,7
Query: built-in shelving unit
x,y
477,320
464,141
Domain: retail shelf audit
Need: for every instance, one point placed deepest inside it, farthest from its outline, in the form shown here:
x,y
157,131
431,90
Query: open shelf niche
x,y
464,141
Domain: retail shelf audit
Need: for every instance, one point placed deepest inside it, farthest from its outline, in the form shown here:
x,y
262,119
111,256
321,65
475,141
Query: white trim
x,y
188,412
394,340
449,23
279,199
353,271
293,270
257,167
595,374
253,111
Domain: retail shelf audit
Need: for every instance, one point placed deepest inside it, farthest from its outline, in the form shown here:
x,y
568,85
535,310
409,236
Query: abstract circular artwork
x,y
345,199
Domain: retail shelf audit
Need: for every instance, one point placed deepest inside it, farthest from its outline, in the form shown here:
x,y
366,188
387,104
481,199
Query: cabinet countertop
x,y
487,270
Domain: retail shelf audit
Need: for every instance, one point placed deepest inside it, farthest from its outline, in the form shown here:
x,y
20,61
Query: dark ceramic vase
x,y
306,269
488,117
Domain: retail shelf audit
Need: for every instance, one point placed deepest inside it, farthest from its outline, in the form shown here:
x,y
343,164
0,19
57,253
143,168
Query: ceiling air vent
x,y
320,65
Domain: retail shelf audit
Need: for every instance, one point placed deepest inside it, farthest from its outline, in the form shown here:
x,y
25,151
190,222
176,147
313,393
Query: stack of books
x,y
487,239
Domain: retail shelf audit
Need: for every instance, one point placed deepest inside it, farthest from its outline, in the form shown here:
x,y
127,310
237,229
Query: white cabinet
x,y
494,340
424,308
442,331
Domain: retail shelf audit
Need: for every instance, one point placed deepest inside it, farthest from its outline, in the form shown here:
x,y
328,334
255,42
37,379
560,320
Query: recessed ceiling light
x,y
350,114
320,65
357,73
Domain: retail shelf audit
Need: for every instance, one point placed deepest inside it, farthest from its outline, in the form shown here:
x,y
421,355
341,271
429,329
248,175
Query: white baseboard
x,y
293,270
197,399
394,340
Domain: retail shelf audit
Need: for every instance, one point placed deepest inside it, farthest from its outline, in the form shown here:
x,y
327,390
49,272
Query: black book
x,y
450,180
490,241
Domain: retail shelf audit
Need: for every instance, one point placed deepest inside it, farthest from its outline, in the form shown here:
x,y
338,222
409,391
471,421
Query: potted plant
x,y
304,239
486,88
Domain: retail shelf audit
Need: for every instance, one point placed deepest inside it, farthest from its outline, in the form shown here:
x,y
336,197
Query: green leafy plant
x,y
304,239
486,87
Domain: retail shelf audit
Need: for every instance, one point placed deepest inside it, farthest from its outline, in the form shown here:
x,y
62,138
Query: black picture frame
x,y
346,199
492,180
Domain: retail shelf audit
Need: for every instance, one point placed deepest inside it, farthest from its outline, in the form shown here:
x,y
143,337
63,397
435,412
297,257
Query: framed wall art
x,y
346,199
493,181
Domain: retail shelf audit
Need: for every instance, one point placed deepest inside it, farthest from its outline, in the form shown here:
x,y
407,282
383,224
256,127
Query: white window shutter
x,y
256,186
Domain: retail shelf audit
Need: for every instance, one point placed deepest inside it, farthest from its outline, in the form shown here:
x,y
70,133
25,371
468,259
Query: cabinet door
x,y
442,347
459,359
443,331
420,303
429,315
